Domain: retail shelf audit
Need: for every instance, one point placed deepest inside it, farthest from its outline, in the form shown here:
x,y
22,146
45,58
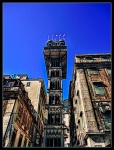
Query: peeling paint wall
x,y
91,109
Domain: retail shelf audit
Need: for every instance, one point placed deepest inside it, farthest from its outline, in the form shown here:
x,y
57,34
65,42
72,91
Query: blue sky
x,y
26,27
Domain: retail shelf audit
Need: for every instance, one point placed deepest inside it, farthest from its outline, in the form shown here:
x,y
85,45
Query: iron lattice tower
x,y
55,55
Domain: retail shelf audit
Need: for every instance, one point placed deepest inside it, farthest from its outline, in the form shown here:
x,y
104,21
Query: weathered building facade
x,y
90,100
72,125
55,55
37,93
18,115
66,124
22,125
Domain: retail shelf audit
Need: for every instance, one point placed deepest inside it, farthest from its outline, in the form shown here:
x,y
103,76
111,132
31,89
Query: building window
x,y
81,113
9,84
53,142
55,73
78,121
13,138
21,77
77,93
52,73
54,118
99,88
93,71
20,141
104,58
16,83
55,84
89,58
57,119
107,119
4,82
57,99
51,100
55,63
28,84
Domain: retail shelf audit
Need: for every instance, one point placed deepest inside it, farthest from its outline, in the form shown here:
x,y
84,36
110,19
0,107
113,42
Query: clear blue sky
x,y
26,27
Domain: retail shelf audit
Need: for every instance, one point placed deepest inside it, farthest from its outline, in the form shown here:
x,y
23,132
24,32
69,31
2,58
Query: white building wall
x,y
7,115
33,92
66,119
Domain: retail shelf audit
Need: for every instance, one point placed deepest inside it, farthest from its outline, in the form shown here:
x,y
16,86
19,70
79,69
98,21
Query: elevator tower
x,y
55,55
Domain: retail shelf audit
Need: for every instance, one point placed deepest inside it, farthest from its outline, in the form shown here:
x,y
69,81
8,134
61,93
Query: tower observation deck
x,y
55,55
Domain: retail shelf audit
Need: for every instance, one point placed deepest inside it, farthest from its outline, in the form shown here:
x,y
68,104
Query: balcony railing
x,y
11,88
55,47
92,61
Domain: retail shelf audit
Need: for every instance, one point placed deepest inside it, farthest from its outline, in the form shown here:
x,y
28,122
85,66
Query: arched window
x,y
54,84
58,84
57,118
57,99
54,73
57,73
51,100
51,73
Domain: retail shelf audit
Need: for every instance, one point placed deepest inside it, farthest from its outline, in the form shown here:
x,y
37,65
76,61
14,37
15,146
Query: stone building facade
x,y
72,125
21,120
90,100
66,124
37,93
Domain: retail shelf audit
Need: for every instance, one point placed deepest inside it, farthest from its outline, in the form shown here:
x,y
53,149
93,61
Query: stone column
x,y
17,138
27,142
22,144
